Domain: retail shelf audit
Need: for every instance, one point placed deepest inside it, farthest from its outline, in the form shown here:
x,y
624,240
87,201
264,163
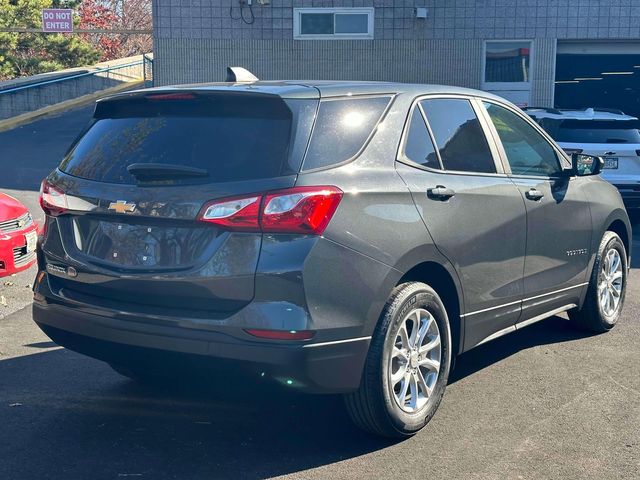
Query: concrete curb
x,y
29,117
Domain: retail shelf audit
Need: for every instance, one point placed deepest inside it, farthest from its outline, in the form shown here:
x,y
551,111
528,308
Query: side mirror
x,y
585,165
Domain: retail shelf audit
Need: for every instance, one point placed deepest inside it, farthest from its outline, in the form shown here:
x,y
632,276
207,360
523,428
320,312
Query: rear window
x,y
232,137
593,131
342,128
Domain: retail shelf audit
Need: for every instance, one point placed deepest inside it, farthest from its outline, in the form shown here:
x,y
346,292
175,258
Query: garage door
x,y
599,75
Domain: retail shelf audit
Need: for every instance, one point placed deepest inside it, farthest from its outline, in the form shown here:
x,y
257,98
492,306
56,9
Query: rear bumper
x,y
327,367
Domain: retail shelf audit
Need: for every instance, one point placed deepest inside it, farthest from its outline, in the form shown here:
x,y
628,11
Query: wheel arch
x,y
620,228
444,282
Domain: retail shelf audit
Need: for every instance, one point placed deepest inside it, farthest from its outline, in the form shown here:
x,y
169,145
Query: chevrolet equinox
x,y
336,237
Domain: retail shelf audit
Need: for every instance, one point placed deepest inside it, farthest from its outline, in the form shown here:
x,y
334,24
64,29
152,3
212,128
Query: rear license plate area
x,y
610,163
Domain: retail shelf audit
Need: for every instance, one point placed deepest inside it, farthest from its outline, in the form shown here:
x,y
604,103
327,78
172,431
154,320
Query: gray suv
x,y
336,237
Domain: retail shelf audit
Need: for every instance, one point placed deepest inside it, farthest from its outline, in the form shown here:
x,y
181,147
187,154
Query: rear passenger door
x,y
473,212
558,216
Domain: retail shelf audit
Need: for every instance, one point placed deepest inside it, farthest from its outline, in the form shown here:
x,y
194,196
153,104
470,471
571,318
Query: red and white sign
x,y
57,20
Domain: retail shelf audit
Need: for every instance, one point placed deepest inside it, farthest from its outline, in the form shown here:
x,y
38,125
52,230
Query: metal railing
x,y
146,62
147,69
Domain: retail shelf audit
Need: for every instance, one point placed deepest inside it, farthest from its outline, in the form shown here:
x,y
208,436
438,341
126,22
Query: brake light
x,y
52,200
638,153
306,210
300,210
234,213
171,96
281,334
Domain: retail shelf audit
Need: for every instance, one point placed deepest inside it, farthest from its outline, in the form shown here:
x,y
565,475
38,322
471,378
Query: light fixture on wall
x,y
249,18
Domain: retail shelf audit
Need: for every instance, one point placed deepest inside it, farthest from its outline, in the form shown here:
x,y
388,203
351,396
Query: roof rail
x,y
546,109
610,110
240,75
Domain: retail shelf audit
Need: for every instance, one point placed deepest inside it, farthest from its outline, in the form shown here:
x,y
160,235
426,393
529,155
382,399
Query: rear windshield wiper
x,y
163,171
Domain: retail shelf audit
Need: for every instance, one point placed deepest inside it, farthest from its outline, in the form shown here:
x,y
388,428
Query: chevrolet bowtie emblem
x,y
121,206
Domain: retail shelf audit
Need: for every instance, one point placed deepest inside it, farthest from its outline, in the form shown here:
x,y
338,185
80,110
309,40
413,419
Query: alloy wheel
x,y
415,360
610,282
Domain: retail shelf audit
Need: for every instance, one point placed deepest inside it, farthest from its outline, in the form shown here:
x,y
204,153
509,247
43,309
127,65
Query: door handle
x,y
534,194
441,192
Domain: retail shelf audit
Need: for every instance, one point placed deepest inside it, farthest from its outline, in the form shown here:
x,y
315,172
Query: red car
x,y
18,236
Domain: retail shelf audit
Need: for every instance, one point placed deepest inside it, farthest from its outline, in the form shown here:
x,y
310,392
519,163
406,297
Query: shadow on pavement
x,y
78,419
547,332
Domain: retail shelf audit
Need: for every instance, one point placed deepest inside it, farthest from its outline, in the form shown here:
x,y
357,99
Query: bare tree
x,y
118,15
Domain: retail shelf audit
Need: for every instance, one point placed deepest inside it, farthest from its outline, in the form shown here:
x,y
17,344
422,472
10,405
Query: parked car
x,y
18,236
603,132
338,237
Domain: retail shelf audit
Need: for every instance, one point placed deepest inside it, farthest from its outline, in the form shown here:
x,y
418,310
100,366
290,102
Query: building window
x,y
333,23
507,62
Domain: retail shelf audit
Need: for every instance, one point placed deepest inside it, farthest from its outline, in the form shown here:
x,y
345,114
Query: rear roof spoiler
x,y
240,75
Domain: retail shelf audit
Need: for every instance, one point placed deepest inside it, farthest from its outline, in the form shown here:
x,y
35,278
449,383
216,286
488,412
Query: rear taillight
x,y
52,200
306,210
638,153
234,213
300,210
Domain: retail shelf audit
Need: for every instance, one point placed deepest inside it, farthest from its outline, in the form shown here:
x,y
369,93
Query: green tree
x,y
24,54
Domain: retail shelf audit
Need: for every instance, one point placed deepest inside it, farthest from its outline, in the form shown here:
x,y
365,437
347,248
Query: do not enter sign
x,y
57,20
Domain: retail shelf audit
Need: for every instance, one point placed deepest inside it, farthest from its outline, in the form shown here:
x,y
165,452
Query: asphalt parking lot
x,y
545,402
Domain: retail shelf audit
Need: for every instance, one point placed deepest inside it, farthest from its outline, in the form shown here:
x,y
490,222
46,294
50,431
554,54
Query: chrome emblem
x,y
56,269
121,206
59,270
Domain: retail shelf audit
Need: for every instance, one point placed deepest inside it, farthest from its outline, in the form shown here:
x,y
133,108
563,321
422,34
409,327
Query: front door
x,y
474,213
558,216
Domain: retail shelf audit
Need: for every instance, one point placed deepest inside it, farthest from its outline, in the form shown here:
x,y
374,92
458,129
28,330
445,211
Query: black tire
x,y
591,316
373,407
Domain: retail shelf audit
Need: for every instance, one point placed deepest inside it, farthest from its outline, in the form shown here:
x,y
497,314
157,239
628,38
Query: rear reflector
x,y
306,210
282,334
52,200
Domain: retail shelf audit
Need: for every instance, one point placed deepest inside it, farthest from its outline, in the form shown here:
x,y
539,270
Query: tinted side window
x,y
528,152
342,128
418,145
458,135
